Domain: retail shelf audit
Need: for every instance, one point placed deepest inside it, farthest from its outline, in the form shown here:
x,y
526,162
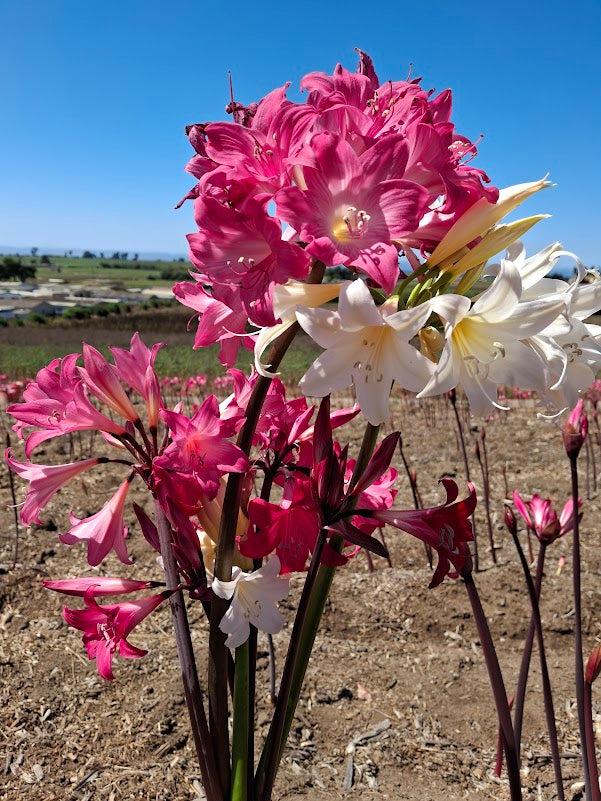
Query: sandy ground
x,y
390,654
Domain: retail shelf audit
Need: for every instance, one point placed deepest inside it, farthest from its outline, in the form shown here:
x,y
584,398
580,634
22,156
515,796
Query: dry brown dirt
x,y
390,654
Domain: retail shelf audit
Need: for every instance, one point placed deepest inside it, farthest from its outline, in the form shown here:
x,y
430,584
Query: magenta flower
x,y
542,519
132,365
106,628
243,248
200,449
446,528
56,403
44,481
101,585
355,206
103,531
221,318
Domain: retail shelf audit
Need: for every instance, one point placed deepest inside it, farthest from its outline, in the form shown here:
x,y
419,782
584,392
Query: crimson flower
x,y
106,628
446,528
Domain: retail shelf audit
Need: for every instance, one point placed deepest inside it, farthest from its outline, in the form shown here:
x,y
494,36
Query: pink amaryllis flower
x,y
221,318
354,207
243,248
56,403
102,531
446,528
106,628
102,380
44,481
200,449
542,519
101,585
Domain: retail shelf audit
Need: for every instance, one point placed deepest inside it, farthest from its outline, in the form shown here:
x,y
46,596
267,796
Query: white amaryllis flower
x,y
486,343
569,345
367,346
254,600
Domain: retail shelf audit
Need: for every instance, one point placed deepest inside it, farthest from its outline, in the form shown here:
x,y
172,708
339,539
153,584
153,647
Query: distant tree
x,y
34,251
101,255
135,257
116,255
87,254
45,259
124,256
11,269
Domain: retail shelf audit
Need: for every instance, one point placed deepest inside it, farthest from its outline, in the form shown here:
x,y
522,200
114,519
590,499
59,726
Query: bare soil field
x,y
397,668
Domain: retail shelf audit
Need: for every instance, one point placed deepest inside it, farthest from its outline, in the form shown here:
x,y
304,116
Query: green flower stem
x,y
578,660
498,688
304,630
217,672
240,725
548,695
306,624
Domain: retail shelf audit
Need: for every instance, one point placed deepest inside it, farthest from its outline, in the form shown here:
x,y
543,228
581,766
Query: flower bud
x,y
575,430
593,666
510,521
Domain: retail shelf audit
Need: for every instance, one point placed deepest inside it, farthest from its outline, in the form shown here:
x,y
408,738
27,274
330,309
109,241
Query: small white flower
x,y
254,598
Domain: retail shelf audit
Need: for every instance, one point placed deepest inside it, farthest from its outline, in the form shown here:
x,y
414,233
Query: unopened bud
x,y
593,666
575,430
510,521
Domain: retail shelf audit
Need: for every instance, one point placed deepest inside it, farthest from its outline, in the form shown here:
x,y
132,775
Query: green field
x,y
24,350
126,273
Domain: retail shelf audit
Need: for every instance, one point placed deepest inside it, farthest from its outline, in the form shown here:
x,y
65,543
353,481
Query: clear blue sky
x,y
95,96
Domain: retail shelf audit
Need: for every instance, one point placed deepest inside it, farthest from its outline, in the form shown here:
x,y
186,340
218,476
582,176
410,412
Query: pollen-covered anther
x,y
356,222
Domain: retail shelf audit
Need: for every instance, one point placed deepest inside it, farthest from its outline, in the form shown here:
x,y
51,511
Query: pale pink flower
x,y
102,380
102,531
44,481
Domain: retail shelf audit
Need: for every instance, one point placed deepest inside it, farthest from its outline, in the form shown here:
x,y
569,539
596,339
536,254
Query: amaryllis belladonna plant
x,y
367,183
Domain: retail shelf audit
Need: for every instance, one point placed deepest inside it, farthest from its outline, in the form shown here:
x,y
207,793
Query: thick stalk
x,y
547,694
298,646
306,624
590,741
217,673
520,693
498,688
578,659
185,652
240,761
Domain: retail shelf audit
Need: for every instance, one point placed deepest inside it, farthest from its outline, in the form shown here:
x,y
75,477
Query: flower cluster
x,y
358,175
360,172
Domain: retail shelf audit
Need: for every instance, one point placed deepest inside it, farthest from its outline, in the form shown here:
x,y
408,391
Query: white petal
x,y
330,372
322,325
264,340
356,307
